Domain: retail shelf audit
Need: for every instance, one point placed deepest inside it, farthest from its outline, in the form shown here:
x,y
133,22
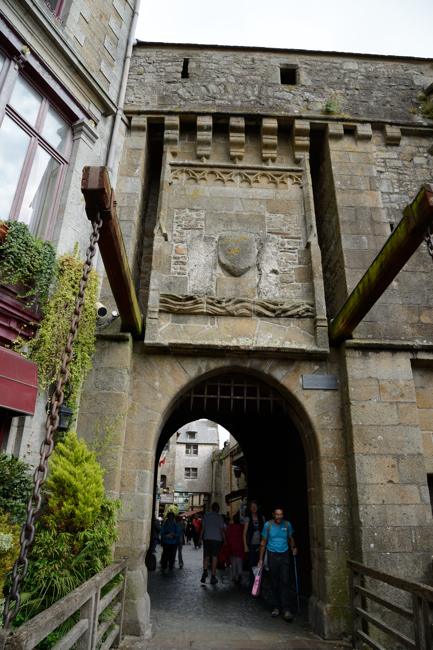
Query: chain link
x,y
13,599
428,237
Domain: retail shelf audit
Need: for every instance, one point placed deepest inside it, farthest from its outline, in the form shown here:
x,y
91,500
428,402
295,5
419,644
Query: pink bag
x,y
257,582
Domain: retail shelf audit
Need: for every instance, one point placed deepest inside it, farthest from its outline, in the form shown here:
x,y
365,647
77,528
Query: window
x,y
191,435
185,71
191,450
35,144
289,75
163,481
191,472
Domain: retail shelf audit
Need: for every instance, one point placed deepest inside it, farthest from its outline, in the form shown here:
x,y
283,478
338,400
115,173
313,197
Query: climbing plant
x,y
26,260
9,547
46,348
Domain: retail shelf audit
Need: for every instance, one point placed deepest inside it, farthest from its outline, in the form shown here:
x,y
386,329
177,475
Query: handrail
x,y
85,599
412,628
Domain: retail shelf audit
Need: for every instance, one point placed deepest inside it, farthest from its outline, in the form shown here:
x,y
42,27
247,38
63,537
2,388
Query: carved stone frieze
x,y
213,306
213,175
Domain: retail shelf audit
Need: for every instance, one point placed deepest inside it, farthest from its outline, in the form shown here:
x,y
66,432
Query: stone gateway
x,y
250,208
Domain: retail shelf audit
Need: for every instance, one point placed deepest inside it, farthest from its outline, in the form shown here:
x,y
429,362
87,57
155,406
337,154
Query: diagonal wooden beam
x,y
396,251
99,199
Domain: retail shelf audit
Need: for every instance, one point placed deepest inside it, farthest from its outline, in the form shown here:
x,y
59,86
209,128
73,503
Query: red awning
x,y
18,383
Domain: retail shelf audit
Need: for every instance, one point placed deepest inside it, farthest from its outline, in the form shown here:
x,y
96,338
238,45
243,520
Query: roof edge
x,y
255,48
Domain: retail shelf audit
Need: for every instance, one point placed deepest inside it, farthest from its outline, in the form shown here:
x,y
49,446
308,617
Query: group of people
x,y
233,543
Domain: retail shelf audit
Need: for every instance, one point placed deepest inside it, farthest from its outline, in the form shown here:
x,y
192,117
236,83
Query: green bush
x,y
74,487
26,260
15,487
9,547
76,533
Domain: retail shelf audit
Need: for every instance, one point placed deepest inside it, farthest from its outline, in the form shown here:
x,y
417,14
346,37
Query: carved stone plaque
x,y
237,252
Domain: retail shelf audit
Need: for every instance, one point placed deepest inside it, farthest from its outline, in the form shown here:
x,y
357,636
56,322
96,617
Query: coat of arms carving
x,y
237,252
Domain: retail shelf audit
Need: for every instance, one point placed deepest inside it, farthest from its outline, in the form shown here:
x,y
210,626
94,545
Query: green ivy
x,y
9,546
27,260
47,347
15,487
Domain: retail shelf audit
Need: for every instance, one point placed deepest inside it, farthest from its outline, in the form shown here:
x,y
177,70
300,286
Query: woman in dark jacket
x,y
253,526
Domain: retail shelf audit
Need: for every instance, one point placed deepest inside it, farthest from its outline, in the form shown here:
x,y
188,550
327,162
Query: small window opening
x,y
185,72
430,489
289,75
391,226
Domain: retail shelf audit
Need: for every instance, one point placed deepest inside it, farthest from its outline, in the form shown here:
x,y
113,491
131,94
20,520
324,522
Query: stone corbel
x,y
237,138
335,130
83,130
138,123
204,136
301,139
392,135
171,133
269,139
363,132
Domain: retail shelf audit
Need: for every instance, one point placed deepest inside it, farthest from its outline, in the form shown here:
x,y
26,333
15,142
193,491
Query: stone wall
x,y
248,80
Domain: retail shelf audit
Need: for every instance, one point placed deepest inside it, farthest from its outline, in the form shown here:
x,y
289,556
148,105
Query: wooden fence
x,y
99,616
410,627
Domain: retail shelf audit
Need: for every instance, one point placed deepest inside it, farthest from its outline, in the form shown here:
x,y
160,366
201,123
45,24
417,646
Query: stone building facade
x,y
185,466
61,68
255,188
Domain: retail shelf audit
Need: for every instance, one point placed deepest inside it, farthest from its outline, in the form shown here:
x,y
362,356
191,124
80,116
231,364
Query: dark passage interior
x,y
258,417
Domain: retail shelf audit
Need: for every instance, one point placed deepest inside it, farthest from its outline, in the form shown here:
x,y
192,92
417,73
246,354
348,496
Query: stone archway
x,y
161,388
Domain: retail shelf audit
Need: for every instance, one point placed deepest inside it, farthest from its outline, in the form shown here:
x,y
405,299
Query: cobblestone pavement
x,y
187,614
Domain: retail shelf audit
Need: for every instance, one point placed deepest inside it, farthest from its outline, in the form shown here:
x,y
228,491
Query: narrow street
x,y
187,614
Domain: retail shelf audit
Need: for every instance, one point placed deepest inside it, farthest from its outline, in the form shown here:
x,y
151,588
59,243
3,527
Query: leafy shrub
x,y
76,533
74,487
26,260
15,487
9,546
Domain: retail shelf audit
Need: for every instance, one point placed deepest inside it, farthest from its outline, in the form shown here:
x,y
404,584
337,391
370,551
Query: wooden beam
x,y
100,200
396,251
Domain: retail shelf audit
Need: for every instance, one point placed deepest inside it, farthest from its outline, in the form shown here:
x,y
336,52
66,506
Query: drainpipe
x,y
122,90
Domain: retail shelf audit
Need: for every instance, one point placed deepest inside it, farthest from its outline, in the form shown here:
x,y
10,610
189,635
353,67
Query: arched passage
x,y
279,454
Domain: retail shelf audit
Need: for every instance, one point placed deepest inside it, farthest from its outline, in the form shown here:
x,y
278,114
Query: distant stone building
x,y
185,467
230,479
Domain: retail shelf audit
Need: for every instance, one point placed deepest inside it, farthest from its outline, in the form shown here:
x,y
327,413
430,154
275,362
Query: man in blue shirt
x,y
170,535
277,536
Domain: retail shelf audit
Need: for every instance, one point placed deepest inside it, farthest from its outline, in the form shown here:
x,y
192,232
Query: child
x,y
235,543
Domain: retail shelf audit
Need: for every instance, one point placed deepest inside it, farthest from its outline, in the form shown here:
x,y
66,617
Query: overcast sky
x,y
373,26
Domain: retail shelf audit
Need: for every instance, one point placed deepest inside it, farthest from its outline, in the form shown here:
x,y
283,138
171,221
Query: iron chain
x,y
13,600
428,237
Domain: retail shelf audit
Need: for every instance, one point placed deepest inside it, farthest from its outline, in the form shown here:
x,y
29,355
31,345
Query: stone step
x,y
246,644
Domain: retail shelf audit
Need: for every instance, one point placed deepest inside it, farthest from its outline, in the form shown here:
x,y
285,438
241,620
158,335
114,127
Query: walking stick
x,y
295,564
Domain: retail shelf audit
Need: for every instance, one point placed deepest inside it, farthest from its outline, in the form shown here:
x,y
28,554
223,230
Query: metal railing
x,y
404,627
100,616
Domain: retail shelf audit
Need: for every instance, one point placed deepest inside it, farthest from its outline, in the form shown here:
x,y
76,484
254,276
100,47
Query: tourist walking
x,y
196,530
181,523
212,533
170,535
235,543
253,526
189,531
277,537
